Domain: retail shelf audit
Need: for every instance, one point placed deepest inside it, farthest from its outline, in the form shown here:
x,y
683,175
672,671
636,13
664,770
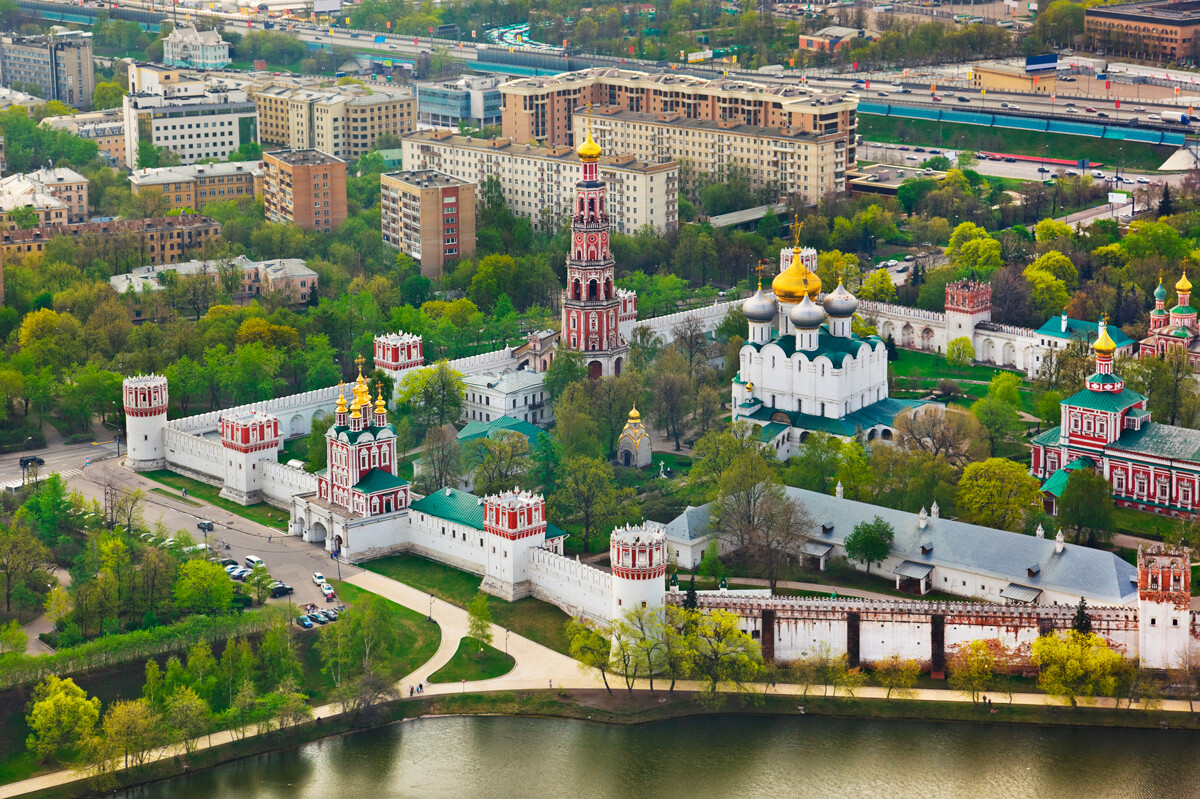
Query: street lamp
x,y
430,616
54,616
506,642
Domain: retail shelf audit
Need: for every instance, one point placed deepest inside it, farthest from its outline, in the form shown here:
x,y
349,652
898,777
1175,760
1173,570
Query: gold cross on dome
x,y
796,233
360,360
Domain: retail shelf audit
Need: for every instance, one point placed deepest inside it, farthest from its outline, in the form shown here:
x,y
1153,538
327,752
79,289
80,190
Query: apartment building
x,y
193,186
193,119
160,239
473,99
60,65
539,182
792,161
1161,30
187,47
58,196
541,108
344,122
105,127
304,187
290,278
428,215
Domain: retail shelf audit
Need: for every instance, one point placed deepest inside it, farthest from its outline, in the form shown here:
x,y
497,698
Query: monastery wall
x,y
577,588
280,483
196,457
709,315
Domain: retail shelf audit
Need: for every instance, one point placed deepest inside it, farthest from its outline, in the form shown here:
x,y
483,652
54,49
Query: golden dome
x,y
634,416
380,407
793,283
1183,284
589,151
341,406
1104,345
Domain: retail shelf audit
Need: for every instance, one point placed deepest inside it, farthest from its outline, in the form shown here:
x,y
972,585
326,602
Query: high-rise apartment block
x,y
539,182
428,215
59,65
304,187
344,121
791,136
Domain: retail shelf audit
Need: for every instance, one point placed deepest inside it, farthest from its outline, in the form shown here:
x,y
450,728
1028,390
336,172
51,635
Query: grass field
x,y
928,364
467,663
261,513
175,496
1018,142
532,618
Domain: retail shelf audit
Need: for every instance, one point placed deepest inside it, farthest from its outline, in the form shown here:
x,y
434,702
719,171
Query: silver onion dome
x,y
760,308
840,302
806,314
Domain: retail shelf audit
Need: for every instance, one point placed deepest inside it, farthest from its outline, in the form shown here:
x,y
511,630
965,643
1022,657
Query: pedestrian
x,y
268,538
410,692
552,683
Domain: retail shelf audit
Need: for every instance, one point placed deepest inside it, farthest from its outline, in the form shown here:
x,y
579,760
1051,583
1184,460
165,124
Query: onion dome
x,y
1183,284
760,307
1104,344
794,282
589,151
806,314
341,406
380,407
840,302
1160,293
634,416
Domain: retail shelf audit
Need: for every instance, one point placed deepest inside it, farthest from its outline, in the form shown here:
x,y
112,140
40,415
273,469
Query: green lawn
x,y
536,620
1141,523
175,496
261,513
467,663
931,365
1018,142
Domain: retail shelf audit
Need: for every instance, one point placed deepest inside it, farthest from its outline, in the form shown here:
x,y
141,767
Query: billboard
x,y
700,55
1037,63
380,39
326,6
1118,197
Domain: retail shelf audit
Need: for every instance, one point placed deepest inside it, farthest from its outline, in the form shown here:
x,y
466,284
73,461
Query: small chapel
x,y
1174,328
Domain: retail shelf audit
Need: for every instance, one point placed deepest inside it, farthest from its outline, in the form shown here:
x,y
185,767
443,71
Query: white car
x,y
1143,181
327,589
892,263
318,578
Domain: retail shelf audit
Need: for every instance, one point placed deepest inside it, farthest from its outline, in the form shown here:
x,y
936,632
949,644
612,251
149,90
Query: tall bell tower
x,y
591,306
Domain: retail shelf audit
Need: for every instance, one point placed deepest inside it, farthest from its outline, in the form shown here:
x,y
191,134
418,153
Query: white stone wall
x,y
280,483
709,315
577,588
194,456
448,542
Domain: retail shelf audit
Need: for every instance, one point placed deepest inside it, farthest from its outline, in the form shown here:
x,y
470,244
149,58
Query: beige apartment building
x,y
540,108
428,215
540,181
304,187
795,161
56,195
344,122
192,186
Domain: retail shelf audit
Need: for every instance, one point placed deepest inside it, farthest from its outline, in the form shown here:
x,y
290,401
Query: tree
x,y
1075,665
814,467
949,433
999,420
972,668
878,287
131,730
757,518
672,391
566,367
718,449
870,542
479,621
60,716
960,353
587,491
203,587
1166,207
591,647
1086,507
723,654
1082,622
259,580
22,556
187,717
497,462
997,493
12,638
435,394
896,674
107,95
441,463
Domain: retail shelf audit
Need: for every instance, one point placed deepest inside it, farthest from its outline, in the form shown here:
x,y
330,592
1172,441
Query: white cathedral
x,y
803,368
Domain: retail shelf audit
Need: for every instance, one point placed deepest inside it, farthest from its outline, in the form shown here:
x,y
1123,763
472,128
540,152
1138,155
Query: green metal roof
x,y
500,424
353,436
835,348
768,432
1184,310
1112,401
1047,438
378,480
879,413
452,505
1056,482
1078,329
1161,440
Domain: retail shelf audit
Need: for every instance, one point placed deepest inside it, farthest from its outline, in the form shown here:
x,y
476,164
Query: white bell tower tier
x,y
639,563
145,398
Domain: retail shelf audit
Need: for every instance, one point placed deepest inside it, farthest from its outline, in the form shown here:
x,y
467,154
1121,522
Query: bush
x,y
839,567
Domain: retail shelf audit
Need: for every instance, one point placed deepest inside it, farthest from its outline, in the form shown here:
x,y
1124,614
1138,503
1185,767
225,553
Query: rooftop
x,y
308,157
176,174
890,175
427,179
506,382
462,508
509,147
1081,330
110,227
1162,441
675,120
1187,11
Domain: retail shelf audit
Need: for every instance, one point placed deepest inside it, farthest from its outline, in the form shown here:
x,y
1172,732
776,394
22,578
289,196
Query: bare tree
x,y
442,461
690,341
954,434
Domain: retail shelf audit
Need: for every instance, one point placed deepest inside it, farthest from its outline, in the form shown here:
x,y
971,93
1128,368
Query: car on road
x,y
918,149
903,91
881,94
1010,160
904,147
1006,105
1143,180
1154,117
1102,114
279,589
354,36
911,158
391,47
318,578
1096,173
1072,110
304,622
204,526
937,99
1071,173
962,99
1070,105
1090,110
1129,181
1140,108
1043,169
327,590
1067,80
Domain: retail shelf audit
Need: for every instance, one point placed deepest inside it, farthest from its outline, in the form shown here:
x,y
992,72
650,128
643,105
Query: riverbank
x,y
624,708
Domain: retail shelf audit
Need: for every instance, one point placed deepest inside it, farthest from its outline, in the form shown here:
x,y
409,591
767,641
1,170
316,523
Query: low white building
x,y
188,47
520,395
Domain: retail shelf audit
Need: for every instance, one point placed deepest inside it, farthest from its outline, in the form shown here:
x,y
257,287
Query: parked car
x,y
304,622
327,615
281,589
204,526
226,563
318,618
253,560
230,568
240,574
318,578
910,258
327,590
168,543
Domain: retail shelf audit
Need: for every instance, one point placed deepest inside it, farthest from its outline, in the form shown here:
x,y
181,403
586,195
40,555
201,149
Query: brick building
x,y
428,215
1159,30
304,187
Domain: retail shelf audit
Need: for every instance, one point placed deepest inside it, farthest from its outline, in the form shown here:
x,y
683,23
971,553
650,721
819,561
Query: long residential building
x,y
59,65
539,182
164,239
1162,30
344,121
190,187
541,108
193,119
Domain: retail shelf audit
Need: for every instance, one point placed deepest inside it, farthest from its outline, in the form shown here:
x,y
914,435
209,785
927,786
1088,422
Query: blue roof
x,y
1078,329
1101,577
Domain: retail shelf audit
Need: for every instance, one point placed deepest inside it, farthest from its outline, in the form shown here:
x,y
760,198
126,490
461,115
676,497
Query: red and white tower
x,y
514,523
249,439
592,306
968,302
1164,610
638,555
396,353
145,399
